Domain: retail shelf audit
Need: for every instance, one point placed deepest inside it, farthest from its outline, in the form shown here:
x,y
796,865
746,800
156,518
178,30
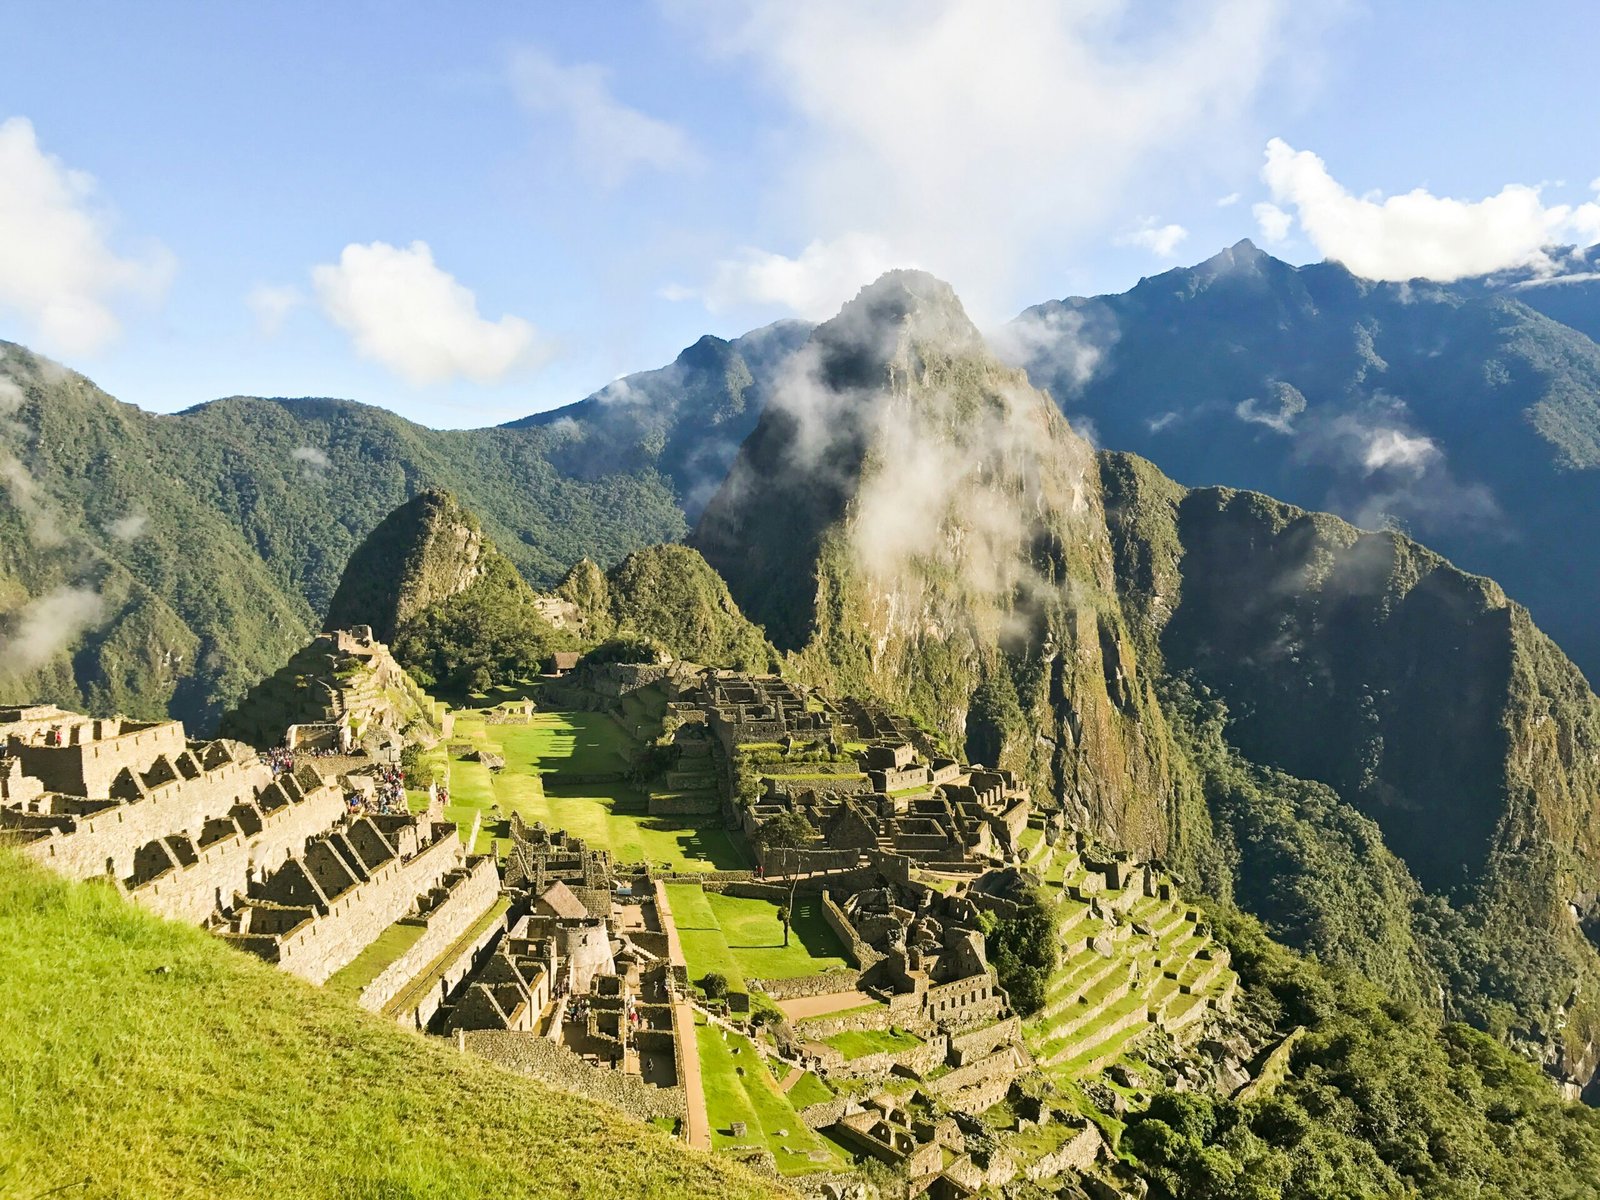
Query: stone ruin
x,y
345,693
940,814
581,986
274,862
744,710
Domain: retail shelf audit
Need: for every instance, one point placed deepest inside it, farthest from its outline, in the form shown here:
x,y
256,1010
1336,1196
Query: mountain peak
x,y
426,550
890,321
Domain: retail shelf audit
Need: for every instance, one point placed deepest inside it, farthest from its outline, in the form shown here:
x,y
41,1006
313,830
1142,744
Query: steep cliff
x,y
1431,741
911,521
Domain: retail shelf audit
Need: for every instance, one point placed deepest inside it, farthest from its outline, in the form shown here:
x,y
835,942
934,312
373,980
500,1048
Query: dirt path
x,y
818,1006
792,1078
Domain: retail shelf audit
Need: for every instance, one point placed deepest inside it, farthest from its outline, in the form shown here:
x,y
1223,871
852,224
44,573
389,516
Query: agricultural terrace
x,y
739,1087
570,770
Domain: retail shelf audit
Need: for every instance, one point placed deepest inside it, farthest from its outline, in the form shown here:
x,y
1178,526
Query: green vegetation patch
x,y
809,1090
566,769
376,958
739,1088
858,1043
755,936
214,1074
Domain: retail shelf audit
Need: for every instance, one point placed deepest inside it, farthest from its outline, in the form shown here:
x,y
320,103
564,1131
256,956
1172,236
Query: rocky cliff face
x,y
425,551
912,521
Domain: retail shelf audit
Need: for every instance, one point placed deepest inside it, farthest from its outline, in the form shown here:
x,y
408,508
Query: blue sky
x,y
474,211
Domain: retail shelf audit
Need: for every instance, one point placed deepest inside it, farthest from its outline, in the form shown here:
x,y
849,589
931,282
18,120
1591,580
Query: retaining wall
x,y
322,945
109,838
555,1064
468,900
192,893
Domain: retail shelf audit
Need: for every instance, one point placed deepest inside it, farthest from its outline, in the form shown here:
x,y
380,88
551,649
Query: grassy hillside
x,y
143,1058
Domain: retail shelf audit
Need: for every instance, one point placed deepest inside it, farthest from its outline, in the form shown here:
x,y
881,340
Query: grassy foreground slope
x,y
141,1058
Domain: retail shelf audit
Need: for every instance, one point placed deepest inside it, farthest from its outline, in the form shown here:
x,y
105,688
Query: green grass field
x,y
858,1043
743,939
808,1090
144,1058
542,760
754,1098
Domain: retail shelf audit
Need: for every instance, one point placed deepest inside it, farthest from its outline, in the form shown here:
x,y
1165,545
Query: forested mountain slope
x,y
1377,752
164,563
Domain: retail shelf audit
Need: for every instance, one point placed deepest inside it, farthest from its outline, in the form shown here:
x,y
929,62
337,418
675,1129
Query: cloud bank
x,y
1417,235
612,140
58,272
47,625
965,135
413,318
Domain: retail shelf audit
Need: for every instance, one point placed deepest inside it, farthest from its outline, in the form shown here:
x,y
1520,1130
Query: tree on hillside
x,y
1022,948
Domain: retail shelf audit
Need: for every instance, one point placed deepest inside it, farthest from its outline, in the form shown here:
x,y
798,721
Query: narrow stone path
x,y
697,1127
789,1080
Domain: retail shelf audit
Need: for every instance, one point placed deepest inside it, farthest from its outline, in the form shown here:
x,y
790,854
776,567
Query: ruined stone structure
x,y
320,908
177,824
581,982
743,710
939,814
345,692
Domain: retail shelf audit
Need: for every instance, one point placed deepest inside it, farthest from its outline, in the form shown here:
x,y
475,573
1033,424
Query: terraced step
x,y
1127,1013
1101,1056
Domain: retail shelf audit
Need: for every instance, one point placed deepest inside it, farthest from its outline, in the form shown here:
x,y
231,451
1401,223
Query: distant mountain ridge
x,y
1467,414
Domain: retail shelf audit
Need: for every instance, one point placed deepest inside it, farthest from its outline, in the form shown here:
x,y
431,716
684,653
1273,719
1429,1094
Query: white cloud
x,y
311,456
57,270
1160,240
45,626
413,318
11,396
272,304
1387,449
1420,235
1272,221
914,120
127,528
814,283
1228,201
611,139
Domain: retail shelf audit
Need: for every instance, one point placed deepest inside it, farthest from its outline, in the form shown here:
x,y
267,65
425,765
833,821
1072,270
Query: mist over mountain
x,y
1377,752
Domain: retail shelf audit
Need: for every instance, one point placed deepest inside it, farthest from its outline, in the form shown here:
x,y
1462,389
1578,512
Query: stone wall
x,y
748,889
1002,1066
968,1047
318,948
192,893
472,896
555,1064
85,766
919,1060
1077,1153
821,984
454,975
793,785
110,837
701,805
864,956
